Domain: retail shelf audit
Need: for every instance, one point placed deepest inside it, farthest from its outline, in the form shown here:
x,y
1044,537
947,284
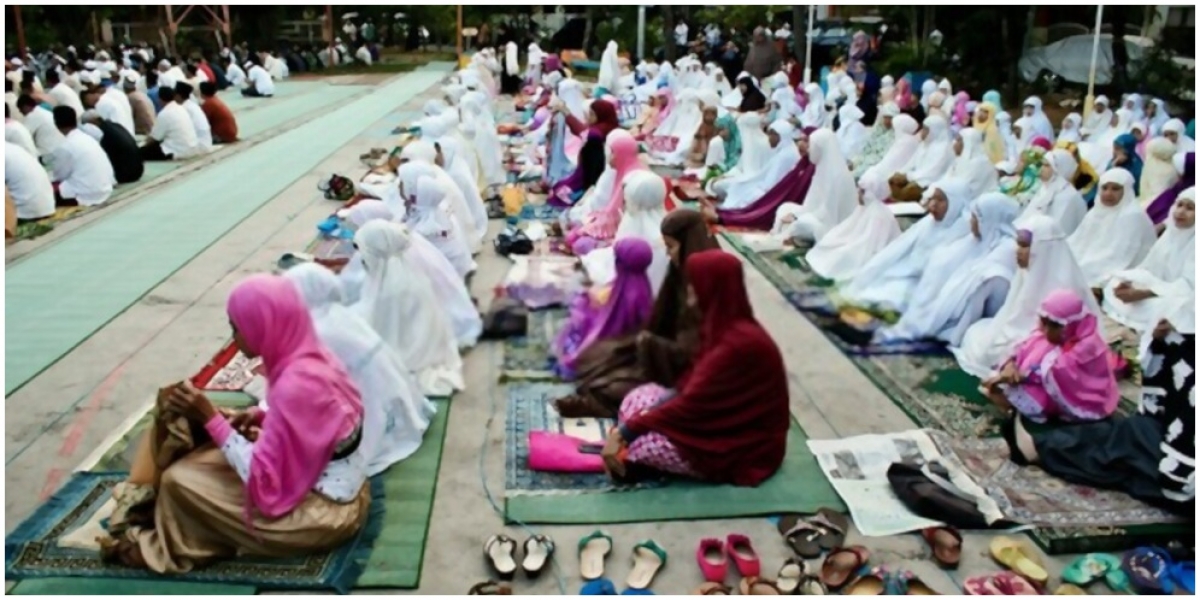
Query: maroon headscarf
x,y
606,117
730,416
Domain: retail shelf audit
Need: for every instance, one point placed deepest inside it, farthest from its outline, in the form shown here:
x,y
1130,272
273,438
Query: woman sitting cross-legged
x,y
727,419
1061,370
287,482
1151,455
607,370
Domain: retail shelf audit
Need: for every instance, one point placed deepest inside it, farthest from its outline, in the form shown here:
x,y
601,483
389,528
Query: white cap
x,y
16,62
131,76
90,65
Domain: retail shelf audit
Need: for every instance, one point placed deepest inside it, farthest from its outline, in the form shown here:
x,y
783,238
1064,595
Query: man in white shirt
x,y
27,183
681,36
113,105
81,169
40,123
17,133
173,136
200,124
61,93
234,74
259,83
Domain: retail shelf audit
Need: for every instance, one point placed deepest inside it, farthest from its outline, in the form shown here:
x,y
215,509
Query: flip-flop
x,y
842,565
538,550
801,535
598,587
499,549
1019,559
593,549
810,585
744,557
648,559
490,588
1148,570
710,588
835,525
870,584
713,560
1183,573
981,585
753,586
1070,589
1013,584
946,544
1089,568
790,575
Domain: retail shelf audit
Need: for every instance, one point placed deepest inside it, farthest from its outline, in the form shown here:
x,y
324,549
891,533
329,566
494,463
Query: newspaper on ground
x,y
857,467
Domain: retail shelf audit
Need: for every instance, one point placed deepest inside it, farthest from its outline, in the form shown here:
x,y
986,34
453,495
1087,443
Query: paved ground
x,y
59,417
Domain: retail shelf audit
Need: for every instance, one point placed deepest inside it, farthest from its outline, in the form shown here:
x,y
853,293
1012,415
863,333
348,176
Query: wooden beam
x,y
20,32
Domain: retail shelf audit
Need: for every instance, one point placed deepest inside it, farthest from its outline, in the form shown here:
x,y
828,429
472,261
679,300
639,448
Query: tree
x,y
669,31
799,28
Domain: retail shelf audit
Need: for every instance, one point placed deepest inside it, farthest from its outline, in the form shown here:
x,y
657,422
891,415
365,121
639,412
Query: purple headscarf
x,y
630,301
1160,208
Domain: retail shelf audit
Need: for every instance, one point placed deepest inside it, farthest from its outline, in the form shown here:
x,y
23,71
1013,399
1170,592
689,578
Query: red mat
x,y
229,370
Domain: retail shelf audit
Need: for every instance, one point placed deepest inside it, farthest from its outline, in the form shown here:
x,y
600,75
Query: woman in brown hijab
x,y
608,370
763,60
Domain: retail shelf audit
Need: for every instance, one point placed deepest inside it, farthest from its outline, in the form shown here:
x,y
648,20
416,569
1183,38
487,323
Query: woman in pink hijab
x,y
599,226
1061,371
904,95
288,481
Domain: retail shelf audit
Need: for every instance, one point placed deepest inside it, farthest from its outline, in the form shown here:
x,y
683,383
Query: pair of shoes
x,y
501,550
648,559
810,535
713,555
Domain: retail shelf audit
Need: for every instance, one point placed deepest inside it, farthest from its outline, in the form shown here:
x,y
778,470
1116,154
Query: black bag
x,y
337,187
513,241
928,499
505,318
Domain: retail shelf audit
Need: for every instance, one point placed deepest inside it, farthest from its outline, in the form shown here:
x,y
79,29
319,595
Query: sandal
x,y
834,525
713,560
801,535
913,586
1070,589
1183,573
490,588
648,559
743,555
710,588
122,550
1013,584
1089,568
842,564
753,586
870,584
1019,559
499,550
593,549
946,544
1148,570
810,585
791,574
981,585
538,550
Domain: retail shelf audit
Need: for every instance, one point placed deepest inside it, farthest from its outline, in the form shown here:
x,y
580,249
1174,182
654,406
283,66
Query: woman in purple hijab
x,y
792,188
621,309
1160,208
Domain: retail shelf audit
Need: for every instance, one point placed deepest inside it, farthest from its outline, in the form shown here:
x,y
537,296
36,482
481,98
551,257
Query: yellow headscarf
x,y
1085,168
993,141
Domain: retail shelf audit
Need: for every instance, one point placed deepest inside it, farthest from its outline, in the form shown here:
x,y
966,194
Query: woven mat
x,y
528,358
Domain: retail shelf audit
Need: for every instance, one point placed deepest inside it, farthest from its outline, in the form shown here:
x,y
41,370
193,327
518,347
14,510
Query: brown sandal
x,y
835,525
842,564
490,588
946,544
709,588
754,586
801,535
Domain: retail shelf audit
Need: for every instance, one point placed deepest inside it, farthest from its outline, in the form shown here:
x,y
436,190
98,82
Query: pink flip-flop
x,y
714,564
981,585
1011,584
745,558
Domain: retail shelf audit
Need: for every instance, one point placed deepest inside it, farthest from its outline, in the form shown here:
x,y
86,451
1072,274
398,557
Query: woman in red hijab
x,y
602,120
728,421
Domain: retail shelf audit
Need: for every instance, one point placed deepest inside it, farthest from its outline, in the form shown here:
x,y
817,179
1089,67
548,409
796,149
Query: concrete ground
x,y
62,415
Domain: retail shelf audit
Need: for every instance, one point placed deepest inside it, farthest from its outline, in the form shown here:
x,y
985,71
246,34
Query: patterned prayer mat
x,y
58,540
539,497
34,229
528,358
1071,518
229,370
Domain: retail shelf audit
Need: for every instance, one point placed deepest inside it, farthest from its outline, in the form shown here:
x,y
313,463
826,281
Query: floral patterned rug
x,y
528,358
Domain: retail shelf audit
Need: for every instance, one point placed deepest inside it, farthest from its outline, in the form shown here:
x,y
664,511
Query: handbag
x,y
513,241
337,187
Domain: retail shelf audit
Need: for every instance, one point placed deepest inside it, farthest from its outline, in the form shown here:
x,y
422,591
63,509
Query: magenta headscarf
x,y
602,224
313,404
630,301
904,95
1081,374
962,117
1041,142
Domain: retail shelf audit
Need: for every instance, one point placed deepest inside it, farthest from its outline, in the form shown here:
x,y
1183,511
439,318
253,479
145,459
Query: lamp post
x,y
641,37
458,40
1091,98
812,12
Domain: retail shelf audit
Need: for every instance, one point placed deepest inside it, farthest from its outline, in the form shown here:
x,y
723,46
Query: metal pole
x,y
329,35
20,33
641,38
1091,98
812,12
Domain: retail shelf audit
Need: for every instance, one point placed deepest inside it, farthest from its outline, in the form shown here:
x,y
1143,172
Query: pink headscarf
x,y
1041,142
665,96
314,405
623,149
962,117
1081,374
904,97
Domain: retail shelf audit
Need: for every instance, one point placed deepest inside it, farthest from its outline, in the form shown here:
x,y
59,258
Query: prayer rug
x,y
327,248
553,498
540,212
392,560
229,370
54,542
528,358
29,231
1070,518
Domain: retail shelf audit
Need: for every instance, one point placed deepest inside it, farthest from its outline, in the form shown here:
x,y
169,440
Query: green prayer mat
x,y
936,394
398,550
798,487
91,586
